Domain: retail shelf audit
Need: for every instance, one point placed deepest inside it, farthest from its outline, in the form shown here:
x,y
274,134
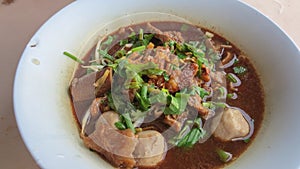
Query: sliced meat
x,y
195,102
83,88
185,77
232,125
118,145
91,85
165,36
150,149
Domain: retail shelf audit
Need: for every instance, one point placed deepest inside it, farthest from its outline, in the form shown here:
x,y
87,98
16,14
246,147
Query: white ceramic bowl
x,y
42,103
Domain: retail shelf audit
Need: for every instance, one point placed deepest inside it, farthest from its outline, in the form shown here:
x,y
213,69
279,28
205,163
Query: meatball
x,y
232,125
151,148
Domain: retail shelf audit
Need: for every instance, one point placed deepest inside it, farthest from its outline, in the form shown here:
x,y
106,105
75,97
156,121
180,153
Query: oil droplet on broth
x,y
35,61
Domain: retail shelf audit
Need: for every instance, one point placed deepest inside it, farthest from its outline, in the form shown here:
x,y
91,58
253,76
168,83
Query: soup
x,y
166,95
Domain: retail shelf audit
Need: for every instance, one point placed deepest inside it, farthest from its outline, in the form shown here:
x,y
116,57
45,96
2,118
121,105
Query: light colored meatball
x,y
150,149
232,125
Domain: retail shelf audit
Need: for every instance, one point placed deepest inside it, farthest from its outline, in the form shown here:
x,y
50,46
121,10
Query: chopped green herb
x,y
153,71
108,41
147,38
231,78
166,76
191,138
181,55
213,105
177,103
198,122
138,49
200,91
247,140
120,53
128,121
123,42
143,103
73,57
223,155
111,101
236,60
239,70
132,36
230,95
141,34
104,54
160,97
120,125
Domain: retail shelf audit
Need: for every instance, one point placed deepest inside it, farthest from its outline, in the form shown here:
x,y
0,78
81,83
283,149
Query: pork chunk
x,y
232,125
116,145
150,149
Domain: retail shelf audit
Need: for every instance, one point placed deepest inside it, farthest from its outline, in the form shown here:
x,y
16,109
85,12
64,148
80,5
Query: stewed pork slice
x,y
118,145
91,85
150,149
232,125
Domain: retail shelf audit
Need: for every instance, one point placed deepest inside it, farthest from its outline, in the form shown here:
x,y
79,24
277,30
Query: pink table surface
x,y
20,20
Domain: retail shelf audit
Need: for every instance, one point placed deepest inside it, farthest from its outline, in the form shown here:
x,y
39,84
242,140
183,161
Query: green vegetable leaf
x,y
200,91
177,103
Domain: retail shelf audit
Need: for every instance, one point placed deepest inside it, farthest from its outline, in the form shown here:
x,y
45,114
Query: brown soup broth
x,y
250,98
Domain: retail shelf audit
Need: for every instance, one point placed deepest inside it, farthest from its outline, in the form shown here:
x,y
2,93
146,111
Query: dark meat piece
x,y
165,36
185,77
84,88
205,75
195,102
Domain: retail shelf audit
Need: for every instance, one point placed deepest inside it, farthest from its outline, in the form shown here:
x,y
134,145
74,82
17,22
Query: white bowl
x,y
42,104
